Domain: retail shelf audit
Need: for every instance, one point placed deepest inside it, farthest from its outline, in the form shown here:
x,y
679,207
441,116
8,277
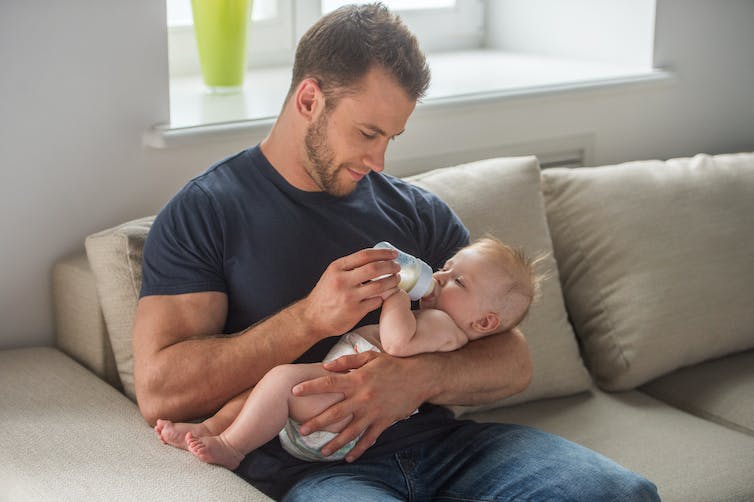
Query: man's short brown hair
x,y
340,48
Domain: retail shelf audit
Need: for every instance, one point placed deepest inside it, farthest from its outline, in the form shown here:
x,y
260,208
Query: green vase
x,y
221,27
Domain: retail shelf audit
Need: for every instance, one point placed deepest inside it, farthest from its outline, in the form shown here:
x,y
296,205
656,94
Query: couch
x,y
642,345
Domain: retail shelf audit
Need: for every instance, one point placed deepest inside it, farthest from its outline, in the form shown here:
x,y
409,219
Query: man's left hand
x,y
378,392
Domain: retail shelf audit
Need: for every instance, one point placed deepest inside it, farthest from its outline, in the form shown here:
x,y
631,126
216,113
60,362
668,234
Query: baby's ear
x,y
487,324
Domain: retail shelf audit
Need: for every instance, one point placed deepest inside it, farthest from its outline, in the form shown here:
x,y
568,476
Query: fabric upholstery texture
x,y
656,262
502,197
688,458
721,390
75,438
115,256
80,327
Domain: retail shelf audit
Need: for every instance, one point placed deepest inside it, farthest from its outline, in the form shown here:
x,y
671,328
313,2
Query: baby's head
x,y
486,288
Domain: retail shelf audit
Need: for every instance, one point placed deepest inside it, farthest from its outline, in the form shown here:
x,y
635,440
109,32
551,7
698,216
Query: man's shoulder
x,y
226,171
406,189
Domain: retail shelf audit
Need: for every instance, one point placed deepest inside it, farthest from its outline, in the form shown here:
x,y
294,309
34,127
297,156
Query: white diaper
x,y
308,447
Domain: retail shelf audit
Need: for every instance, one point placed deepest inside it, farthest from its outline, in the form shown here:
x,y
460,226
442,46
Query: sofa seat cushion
x,y
656,262
67,435
503,197
688,458
721,390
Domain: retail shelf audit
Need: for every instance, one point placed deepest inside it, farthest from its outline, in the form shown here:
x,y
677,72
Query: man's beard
x,y
322,159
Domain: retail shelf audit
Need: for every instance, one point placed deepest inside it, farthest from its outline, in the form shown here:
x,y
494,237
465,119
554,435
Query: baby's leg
x,y
264,415
174,433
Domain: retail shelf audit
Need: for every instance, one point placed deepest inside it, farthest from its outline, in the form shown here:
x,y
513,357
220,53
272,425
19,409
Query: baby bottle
x,y
416,276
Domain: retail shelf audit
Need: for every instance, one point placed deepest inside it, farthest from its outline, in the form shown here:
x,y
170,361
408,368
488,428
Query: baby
x,y
484,289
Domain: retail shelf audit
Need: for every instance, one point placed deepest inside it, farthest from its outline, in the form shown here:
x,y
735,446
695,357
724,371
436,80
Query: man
x,y
263,260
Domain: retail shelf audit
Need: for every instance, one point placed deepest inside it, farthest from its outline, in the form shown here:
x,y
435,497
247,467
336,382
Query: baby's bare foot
x,y
213,450
174,434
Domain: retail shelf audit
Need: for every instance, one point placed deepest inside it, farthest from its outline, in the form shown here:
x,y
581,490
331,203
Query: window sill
x,y
458,79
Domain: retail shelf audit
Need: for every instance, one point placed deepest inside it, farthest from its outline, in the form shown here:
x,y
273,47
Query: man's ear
x,y
309,98
487,324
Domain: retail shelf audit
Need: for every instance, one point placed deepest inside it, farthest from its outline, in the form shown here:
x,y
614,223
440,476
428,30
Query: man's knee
x,y
617,483
638,488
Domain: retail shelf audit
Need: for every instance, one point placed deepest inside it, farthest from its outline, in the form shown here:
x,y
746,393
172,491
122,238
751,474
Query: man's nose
x,y
375,159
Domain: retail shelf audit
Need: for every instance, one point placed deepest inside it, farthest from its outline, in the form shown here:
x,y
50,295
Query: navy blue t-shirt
x,y
241,229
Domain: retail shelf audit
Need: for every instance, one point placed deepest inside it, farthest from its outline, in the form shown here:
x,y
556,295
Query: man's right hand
x,y
183,370
349,289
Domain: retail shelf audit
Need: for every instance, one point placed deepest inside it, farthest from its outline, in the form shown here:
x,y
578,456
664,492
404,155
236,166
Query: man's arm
x,y
496,367
183,368
377,394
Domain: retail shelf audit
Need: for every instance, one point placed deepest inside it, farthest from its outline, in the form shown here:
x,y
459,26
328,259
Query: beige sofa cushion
x,y
656,262
689,459
69,436
502,197
721,390
115,256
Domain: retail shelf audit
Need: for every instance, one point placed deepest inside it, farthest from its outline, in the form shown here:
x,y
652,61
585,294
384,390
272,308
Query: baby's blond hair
x,y
524,272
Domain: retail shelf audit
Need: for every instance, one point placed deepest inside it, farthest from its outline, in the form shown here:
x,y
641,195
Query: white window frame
x,y
272,42
439,29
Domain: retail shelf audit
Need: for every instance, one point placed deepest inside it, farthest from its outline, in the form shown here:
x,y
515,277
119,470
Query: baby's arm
x,y
405,333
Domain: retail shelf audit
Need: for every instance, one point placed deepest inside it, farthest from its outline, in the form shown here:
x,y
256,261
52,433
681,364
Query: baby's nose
x,y
441,277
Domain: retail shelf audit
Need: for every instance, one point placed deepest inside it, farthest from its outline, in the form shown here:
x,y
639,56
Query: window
x,y
270,37
276,26
477,50
440,25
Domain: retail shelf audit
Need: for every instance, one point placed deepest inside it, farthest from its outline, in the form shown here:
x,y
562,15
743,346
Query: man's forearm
x,y
485,370
194,377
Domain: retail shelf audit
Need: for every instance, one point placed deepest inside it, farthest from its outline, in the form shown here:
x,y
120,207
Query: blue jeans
x,y
480,462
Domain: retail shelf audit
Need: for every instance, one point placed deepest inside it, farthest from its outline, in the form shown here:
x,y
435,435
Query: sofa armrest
x,y
67,435
80,327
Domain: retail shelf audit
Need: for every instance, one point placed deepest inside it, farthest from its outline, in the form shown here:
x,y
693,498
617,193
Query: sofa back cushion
x,y
498,196
656,262
502,197
115,257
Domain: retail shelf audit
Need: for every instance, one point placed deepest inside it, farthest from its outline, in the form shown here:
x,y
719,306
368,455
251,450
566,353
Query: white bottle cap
x,y
424,284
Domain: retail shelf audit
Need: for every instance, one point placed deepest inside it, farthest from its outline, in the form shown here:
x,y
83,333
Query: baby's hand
x,y
390,292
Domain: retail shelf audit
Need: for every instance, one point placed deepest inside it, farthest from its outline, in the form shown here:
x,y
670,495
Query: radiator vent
x,y
570,151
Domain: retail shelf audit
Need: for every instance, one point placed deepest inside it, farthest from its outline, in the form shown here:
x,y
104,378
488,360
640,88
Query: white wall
x,y
80,81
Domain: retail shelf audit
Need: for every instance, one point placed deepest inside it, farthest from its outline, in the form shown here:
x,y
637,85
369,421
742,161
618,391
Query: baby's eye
x,y
459,281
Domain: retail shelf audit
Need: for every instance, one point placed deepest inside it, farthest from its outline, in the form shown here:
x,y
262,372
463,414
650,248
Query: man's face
x,y
346,143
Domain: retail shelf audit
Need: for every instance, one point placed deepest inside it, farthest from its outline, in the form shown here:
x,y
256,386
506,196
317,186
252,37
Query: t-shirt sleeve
x,y
183,251
443,231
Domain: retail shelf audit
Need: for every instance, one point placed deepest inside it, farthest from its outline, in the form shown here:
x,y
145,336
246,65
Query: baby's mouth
x,y
427,301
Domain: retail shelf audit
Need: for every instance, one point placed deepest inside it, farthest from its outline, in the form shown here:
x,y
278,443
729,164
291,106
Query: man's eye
x,y
367,135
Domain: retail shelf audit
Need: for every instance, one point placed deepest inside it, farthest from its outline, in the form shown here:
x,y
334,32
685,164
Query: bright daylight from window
x,y
476,49
179,11
329,5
